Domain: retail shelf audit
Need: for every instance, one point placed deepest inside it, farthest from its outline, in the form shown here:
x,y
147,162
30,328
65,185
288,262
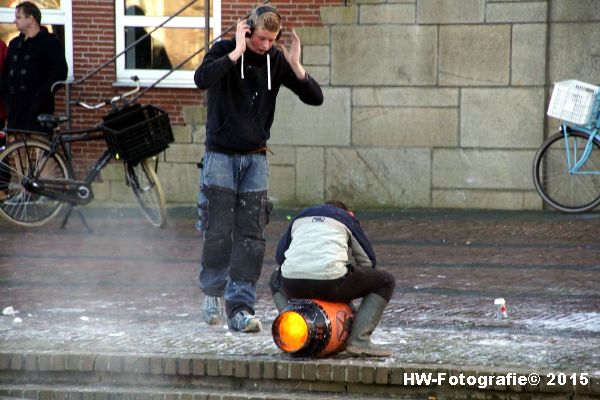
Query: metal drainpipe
x,y
68,104
206,25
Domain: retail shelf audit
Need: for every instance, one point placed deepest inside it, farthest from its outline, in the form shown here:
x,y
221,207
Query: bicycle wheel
x,y
144,182
18,205
565,191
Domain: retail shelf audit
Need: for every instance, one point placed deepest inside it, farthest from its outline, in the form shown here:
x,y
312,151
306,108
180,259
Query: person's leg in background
x,y
279,297
251,212
4,171
216,205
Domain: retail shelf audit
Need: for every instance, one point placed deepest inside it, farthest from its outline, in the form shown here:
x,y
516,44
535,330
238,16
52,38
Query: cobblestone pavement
x,y
131,288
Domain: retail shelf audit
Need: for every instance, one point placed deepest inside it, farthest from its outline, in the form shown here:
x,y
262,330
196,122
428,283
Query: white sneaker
x,y
243,321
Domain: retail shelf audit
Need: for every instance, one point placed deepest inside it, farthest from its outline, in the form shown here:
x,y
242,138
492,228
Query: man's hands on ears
x,y
293,55
240,39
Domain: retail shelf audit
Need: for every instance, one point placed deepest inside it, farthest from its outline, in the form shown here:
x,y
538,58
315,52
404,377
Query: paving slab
x,y
131,288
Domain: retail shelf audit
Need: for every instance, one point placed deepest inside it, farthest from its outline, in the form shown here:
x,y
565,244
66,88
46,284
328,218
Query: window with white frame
x,y
56,16
169,46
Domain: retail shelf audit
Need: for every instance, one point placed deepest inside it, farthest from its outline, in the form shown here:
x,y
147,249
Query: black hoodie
x,y
241,110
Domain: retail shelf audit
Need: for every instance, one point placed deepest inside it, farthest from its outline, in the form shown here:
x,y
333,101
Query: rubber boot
x,y
359,343
280,301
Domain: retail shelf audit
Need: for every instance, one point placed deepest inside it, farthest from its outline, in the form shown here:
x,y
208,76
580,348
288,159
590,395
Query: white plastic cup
x,y
500,304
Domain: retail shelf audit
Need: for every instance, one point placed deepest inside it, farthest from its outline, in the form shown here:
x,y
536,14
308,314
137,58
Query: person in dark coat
x,y
4,173
35,61
149,53
3,52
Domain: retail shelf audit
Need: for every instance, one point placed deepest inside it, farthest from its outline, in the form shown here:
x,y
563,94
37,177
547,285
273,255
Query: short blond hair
x,y
265,17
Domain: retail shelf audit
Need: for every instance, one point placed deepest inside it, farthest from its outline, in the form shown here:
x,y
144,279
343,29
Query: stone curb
x,y
326,375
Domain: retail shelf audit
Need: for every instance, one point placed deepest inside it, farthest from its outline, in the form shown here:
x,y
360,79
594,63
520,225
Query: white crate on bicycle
x,y
574,101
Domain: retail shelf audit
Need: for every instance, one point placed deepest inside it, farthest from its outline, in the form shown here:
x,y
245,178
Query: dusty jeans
x,y
233,209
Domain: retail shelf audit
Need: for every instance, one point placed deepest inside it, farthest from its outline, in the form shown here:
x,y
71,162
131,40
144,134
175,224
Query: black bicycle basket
x,y
137,132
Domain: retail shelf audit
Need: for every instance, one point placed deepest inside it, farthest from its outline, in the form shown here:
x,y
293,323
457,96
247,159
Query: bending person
x,y
325,255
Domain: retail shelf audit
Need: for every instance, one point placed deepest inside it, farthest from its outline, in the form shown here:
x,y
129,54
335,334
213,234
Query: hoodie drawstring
x,y
242,65
268,70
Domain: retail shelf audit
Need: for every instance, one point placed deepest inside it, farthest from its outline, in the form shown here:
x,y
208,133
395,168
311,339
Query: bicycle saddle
x,y
51,121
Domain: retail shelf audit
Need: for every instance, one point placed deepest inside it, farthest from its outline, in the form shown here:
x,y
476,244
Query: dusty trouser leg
x,y
216,207
248,247
247,253
216,249
216,220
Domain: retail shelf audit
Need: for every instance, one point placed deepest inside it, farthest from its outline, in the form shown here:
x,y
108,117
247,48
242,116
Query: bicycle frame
x,y
574,162
72,191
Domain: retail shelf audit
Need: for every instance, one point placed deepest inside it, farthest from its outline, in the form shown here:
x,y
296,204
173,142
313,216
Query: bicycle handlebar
x,y
114,99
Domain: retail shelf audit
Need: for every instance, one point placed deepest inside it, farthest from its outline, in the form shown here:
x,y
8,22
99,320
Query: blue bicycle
x,y
566,168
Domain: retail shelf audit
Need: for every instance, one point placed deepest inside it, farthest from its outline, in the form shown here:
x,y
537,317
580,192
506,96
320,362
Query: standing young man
x,y
35,60
243,77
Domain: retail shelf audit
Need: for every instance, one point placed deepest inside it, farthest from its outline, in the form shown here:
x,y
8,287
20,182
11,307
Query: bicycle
x,y
43,179
566,168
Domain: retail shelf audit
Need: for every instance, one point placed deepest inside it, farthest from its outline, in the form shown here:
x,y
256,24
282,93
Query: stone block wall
x,y
428,103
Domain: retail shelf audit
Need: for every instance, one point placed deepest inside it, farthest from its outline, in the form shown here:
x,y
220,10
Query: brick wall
x,y
94,44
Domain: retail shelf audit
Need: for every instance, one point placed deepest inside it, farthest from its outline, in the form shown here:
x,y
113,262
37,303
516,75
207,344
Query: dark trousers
x,y
357,283
4,171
